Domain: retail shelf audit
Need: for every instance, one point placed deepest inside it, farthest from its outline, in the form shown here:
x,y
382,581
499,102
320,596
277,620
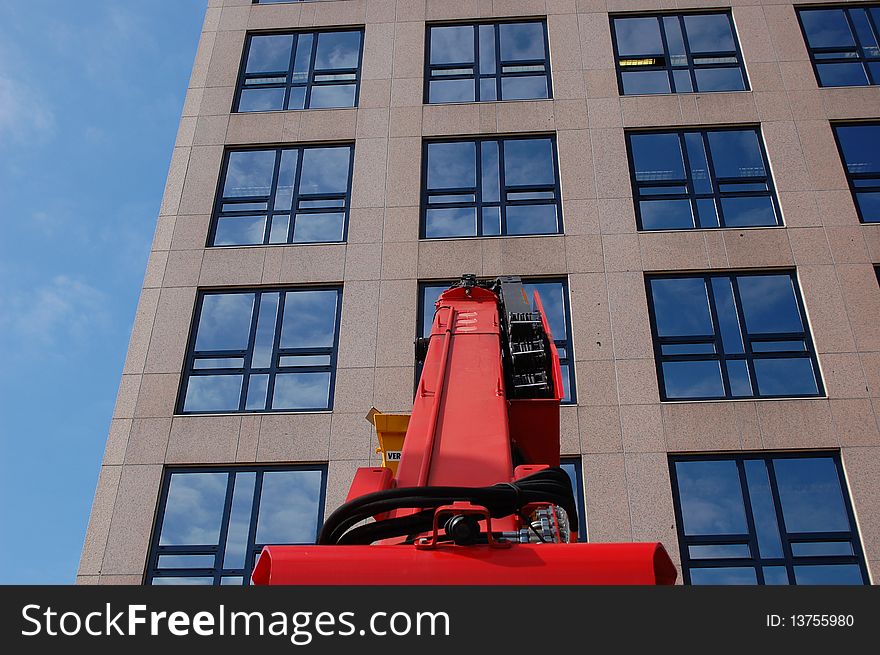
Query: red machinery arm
x,y
478,497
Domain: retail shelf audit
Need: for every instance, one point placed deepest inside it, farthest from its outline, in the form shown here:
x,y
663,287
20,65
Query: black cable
x,y
551,485
413,523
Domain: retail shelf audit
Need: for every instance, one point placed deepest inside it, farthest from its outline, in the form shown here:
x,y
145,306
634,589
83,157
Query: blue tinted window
x,y
711,498
283,195
812,500
269,54
262,351
769,304
469,192
843,44
859,145
731,336
212,523
723,575
730,532
701,179
709,33
300,70
681,307
554,298
487,62
677,53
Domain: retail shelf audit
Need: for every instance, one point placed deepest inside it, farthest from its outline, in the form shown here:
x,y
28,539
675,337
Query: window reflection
x,y
811,496
726,506
292,370
859,145
289,507
302,70
452,44
213,393
269,53
487,62
731,336
711,498
251,506
701,179
194,510
709,33
677,53
681,307
284,195
225,321
728,575
452,165
843,44
519,197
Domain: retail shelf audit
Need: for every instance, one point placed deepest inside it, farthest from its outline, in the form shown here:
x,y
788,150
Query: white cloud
x,y
62,313
23,115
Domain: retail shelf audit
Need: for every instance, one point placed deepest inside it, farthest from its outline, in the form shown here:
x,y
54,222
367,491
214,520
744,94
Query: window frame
x,y
850,177
288,84
253,549
690,67
189,371
579,497
568,343
477,191
859,53
690,194
756,561
477,76
719,355
217,212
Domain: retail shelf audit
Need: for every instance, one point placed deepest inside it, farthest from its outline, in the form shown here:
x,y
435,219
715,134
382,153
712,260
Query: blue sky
x,y
90,97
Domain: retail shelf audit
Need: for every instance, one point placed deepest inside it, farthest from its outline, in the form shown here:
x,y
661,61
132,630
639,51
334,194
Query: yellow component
x,y
391,431
648,61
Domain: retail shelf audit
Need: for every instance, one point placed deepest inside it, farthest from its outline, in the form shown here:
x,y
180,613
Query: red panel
x,y
534,428
521,564
369,480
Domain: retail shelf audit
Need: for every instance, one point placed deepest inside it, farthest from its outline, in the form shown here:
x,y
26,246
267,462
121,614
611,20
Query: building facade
x,y
691,185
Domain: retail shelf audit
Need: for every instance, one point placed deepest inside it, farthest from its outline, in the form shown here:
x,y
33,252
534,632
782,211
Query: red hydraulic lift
x,y
478,497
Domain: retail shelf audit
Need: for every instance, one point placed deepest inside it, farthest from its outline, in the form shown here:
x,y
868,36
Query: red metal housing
x,y
521,564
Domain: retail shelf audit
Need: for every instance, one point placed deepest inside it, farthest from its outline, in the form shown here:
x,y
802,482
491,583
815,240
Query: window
x,y
487,62
859,145
740,335
490,187
701,179
572,466
842,42
302,70
677,53
283,195
262,351
212,523
554,297
773,519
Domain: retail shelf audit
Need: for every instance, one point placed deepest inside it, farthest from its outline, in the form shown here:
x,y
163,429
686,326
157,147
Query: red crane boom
x,y
479,497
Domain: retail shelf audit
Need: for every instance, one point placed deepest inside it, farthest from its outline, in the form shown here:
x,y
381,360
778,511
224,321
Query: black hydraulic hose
x,y
377,530
550,485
